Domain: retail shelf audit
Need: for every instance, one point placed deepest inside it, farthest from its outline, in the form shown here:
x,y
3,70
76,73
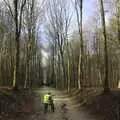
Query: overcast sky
x,y
90,8
88,11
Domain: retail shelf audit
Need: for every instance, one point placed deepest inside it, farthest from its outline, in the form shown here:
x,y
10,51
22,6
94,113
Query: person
x,y
51,103
48,100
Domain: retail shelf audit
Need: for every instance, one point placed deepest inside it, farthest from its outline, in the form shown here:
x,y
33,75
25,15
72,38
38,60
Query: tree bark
x,y
106,82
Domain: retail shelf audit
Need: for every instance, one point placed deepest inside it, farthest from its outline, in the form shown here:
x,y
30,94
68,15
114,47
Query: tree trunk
x,y
17,37
106,83
68,67
80,69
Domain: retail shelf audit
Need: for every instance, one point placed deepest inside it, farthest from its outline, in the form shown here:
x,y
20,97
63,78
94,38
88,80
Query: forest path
x,y
70,112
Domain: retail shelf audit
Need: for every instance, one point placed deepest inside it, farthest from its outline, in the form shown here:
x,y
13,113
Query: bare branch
x,y
9,7
21,11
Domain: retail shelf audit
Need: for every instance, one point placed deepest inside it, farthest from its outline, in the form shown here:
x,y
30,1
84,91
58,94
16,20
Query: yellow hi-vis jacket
x,y
46,99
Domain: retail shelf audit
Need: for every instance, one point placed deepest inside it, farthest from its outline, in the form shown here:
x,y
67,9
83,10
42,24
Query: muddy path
x,y
68,112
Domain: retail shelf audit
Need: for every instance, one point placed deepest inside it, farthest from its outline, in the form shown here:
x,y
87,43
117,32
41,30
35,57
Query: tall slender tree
x,y
106,82
79,13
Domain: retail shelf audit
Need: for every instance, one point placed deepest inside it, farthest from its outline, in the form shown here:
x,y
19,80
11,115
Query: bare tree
x,y
17,16
79,13
106,83
59,17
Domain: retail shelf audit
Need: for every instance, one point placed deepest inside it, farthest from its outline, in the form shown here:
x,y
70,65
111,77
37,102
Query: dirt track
x,y
69,112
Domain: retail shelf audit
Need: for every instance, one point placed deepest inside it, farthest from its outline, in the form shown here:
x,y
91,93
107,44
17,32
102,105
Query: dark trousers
x,y
52,106
46,107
